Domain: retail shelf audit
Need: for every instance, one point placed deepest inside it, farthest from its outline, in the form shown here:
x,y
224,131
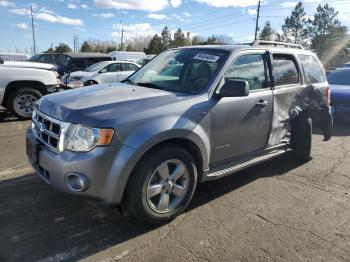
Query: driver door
x,y
110,73
240,125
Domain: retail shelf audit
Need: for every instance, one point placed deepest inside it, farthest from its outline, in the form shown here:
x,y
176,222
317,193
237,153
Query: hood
x,y
340,91
94,104
29,65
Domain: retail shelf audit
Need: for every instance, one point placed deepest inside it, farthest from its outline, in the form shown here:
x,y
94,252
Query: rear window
x,y
285,71
312,70
339,77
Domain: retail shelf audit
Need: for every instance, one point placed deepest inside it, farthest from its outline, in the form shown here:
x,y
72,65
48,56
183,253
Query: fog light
x,y
77,182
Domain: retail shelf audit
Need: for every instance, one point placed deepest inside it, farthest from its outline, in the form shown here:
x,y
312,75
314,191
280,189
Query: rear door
x,y
241,125
287,83
127,69
111,74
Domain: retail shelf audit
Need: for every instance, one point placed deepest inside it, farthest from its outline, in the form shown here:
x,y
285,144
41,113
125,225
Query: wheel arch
x,y
16,85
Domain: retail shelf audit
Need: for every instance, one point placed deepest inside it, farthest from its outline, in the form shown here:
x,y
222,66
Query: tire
x,y
150,209
21,101
301,138
90,83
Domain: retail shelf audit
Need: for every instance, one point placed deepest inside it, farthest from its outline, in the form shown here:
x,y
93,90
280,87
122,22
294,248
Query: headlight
x,y
83,139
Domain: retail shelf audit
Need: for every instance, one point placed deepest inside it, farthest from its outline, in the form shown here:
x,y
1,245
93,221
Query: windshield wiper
x,y
128,81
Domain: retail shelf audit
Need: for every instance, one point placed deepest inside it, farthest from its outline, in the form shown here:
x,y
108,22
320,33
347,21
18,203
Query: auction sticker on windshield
x,y
207,57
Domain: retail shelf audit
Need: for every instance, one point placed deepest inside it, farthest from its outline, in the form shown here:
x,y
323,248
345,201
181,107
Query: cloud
x,y
133,30
146,5
186,14
229,3
4,3
22,26
84,6
157,16
249,11
72,6
175,3
104,15
289,4
178,17
48,16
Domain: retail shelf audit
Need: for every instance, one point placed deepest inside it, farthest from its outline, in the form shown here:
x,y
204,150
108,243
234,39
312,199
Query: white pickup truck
x,y
23,83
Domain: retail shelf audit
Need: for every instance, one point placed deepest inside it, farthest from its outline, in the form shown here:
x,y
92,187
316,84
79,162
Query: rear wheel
x,y
162,185
21,102
90,83
301,131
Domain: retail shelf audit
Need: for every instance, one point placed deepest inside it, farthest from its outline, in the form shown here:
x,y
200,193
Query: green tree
x,y
111,49
197,40
295,27
267,32
50,50
86,47
129,47
155,46
62,48
328,35
179,38
212,40
166,38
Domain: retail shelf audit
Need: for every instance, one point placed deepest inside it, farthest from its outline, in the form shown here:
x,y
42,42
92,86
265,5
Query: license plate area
x,y
33,150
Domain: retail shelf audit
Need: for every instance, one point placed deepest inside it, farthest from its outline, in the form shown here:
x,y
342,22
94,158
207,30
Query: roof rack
x,y
273,43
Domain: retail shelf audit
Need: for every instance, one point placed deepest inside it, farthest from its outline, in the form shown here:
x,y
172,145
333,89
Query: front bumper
x,y
106,168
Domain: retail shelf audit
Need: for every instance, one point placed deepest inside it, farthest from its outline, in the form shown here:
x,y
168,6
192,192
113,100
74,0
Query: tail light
x,y
328,96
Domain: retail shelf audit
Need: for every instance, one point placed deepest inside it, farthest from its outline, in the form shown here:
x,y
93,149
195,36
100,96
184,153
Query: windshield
x,y
181,70
339,77
95,67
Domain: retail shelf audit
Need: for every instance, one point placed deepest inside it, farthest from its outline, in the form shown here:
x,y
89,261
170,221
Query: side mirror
x,y
104,70
234,88
1,61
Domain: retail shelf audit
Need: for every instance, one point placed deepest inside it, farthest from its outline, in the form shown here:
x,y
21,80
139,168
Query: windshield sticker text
x,y
206,57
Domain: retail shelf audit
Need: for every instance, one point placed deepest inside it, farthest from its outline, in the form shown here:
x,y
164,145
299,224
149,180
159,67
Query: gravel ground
x,y
276,211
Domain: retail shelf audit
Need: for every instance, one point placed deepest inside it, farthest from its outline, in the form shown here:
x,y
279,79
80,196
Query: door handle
x,y
262,104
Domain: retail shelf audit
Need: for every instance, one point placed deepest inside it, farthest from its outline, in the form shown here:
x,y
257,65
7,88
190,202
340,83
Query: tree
x,y
179,38
130,47
155,46
50,50
328,35
267,32
166,38
211,40
295,27
62,48
111,49
197,40
86,47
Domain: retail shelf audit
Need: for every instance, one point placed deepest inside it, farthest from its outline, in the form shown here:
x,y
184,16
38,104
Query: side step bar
x,y
230,169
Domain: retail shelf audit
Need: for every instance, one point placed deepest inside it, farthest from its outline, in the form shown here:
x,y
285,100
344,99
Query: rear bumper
x,y
105,169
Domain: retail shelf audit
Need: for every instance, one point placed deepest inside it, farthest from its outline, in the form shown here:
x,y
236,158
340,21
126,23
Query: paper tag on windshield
x,y
206,57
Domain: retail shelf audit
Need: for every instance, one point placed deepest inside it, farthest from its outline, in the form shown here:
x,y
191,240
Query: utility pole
x,y
34,46
75,43
121,39
257,21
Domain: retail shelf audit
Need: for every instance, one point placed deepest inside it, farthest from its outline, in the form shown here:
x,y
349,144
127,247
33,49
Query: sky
x,y
58,21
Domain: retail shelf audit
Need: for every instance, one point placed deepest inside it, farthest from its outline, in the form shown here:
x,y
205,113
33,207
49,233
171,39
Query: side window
x,y
312,70
113,68
285,71
77,64
129,67
48,59
250,68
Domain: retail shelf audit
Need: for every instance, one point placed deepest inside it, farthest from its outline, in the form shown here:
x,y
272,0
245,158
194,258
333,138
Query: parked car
x,y
340,92
70,62
13,57
146,143
127,56
23,83
346,65
102,72
145,60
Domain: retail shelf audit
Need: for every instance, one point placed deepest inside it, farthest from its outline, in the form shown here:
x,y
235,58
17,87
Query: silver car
x,y
192,114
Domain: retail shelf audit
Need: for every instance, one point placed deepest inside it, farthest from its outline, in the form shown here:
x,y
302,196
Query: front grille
x,y
48,130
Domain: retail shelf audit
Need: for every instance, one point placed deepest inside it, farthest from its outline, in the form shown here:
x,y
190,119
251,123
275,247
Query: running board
x,y
245,164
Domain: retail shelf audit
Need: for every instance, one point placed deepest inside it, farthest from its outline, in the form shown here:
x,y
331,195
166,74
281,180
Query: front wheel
x,y
162,185
21,102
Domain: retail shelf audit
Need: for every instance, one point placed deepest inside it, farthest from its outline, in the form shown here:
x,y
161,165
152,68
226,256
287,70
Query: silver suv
x,y
192,114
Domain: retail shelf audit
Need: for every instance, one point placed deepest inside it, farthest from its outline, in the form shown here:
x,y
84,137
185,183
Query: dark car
x,y
340,92
70,62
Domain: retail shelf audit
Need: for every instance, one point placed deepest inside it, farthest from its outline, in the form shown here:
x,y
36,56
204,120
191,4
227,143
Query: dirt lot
x,y
276,211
